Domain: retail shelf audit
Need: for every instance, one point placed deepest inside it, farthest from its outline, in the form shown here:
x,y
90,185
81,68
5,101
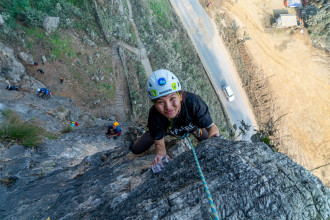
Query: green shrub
x,y
161,10
27,133
61,108
66,129
51,136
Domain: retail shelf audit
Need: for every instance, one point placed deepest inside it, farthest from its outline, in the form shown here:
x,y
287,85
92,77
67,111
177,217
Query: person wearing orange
x,y
113,131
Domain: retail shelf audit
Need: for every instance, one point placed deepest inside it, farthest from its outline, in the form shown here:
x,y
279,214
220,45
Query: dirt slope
x,y
299,84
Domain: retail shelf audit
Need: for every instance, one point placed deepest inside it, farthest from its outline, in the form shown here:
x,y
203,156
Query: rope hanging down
x,y
209,197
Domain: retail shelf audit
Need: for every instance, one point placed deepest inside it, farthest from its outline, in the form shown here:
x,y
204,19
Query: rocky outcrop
x,y
54,114
10,68
50,24
27,58
1,20
246,180
26,165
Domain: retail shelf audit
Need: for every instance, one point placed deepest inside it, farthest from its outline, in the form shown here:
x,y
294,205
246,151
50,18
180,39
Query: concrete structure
x,y
287,20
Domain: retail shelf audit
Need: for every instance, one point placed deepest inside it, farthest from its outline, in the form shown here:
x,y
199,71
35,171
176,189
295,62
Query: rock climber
x,y
174,112
40,70
44,92
14,87
113,131
41,90
74,123
61,80
208,4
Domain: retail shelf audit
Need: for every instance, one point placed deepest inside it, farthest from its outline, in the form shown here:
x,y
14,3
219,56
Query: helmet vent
x,y
150,85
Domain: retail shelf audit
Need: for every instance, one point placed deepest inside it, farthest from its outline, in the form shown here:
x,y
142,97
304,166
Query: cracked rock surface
x,y
246,180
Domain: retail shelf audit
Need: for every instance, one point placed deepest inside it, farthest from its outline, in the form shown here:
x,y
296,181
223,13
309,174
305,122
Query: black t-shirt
x,y
194,114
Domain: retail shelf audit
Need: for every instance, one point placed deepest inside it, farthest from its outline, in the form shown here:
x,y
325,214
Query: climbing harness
x,y
209,197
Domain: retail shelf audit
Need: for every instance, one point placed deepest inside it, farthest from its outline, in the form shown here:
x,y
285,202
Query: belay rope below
x,y
209,197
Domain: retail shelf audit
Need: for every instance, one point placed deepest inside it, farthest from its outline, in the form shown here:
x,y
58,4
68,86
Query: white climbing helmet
x,y
162,82
39,90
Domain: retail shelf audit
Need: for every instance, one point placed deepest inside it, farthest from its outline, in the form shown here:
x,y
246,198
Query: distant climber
x,y
208,4
40,70
35,63
174,112
113,131
74,123
61,80
14,87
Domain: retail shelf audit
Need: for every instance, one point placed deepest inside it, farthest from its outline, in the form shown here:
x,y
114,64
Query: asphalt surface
x,y
216,60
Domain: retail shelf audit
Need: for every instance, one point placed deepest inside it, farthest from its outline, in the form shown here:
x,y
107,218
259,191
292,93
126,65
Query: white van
x,y
228,93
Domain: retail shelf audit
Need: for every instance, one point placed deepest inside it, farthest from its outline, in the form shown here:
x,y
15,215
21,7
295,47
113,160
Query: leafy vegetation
x,y
8,181
30,13
108,90
27,133
161,10
62,46
51,136
318,23
66,129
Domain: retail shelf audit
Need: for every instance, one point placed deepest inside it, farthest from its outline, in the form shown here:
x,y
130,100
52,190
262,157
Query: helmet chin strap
x,y
171,119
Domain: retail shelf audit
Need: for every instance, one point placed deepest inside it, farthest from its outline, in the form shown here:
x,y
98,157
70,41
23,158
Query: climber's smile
x,y
169,105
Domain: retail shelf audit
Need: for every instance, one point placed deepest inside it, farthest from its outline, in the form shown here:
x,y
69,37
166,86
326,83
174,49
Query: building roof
x,y
294,3
287,20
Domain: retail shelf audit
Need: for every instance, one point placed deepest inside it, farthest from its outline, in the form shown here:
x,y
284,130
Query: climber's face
x,y
168,105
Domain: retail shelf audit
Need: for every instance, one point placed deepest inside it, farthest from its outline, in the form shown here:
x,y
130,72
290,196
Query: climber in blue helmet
x,y
44,93
174,112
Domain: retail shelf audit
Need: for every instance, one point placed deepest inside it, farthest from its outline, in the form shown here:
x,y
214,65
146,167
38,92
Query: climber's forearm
x,y
160,147
213,131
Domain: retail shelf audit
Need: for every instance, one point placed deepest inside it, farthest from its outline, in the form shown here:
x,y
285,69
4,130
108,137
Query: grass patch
x,y
77,3
51,136
132,33
62,46
108,90
61,108
66,129
8,181
161,10
77,75
36,34
27,133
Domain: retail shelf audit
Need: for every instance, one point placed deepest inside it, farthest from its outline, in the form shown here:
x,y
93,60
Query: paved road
x,y
203,33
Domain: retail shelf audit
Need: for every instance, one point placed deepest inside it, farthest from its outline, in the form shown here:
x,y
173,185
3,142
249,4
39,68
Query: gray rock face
x,y
50,24
26,165
27,58
10,68
246,180
44,60
1,20
54,113
89,42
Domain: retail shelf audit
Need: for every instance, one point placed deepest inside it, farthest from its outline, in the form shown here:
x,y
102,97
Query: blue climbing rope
x,y
209,197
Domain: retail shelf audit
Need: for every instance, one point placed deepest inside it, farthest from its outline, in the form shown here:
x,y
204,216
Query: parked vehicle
x,y
228,93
